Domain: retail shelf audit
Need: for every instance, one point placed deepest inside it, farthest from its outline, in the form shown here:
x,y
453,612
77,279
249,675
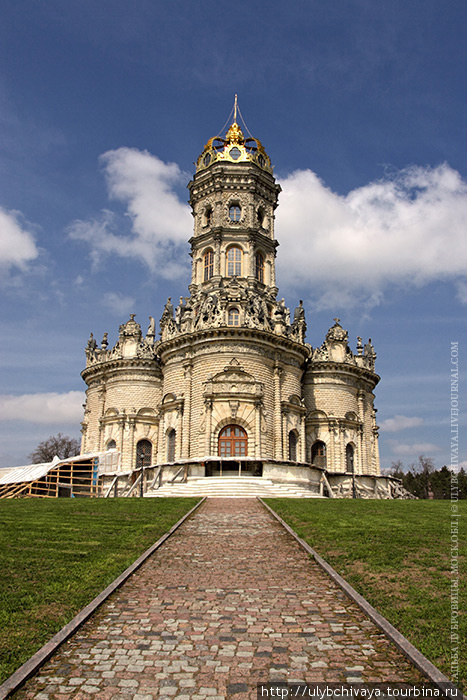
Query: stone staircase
x,y
232,487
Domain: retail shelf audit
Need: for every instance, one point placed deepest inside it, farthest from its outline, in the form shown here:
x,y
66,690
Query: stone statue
x,y
179,311
369,354
92,345
168,310
151,332
359,346
299,313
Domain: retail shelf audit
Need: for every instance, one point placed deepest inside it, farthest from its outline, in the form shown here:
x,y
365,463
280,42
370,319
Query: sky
x,y
361,105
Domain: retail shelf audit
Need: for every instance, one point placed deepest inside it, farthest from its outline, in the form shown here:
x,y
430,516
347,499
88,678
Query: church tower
x,y
233,196
236,339
232,383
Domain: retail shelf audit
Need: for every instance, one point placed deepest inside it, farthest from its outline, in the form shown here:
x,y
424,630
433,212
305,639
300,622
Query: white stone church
x,y
232,385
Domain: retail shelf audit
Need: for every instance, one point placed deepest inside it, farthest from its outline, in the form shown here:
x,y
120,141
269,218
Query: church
x,y
232,385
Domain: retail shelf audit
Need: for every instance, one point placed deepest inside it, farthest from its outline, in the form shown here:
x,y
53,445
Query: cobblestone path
x,y
228,601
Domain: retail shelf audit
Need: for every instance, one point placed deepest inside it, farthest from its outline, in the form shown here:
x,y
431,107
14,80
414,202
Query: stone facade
x,y
232,375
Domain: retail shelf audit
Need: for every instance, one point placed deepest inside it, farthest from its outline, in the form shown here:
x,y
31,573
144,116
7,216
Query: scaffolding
x,y
75,477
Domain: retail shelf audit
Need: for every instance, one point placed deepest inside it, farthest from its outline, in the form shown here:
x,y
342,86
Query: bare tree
x,y
58,445
424,468
396,469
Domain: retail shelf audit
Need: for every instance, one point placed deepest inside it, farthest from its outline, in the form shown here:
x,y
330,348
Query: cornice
x,y
225,333
326,368
119,365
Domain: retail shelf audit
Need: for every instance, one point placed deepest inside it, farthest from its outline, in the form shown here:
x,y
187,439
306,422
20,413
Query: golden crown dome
x,y
234,148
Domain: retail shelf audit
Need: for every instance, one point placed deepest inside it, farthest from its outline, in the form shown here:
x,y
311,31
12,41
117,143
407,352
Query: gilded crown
x,y
234,148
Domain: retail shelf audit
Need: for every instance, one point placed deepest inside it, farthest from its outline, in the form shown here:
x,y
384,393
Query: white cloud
x,y
392,425
160,222
47,408
118,303
405,229
414,449
17,246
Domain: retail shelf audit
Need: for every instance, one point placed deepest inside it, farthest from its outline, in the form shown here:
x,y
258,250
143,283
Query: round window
x,y
234,153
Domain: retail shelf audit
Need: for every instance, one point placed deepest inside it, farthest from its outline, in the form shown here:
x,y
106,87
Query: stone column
x,y
208,439
359,463
102,393
251,254
217,253
121,435
268,274
332,459
84,428
342,453
375,460
160,439
362,448
257,429
188,367
193,267
179,434
285,434
277,413
131,428
272,281
375,456
303,438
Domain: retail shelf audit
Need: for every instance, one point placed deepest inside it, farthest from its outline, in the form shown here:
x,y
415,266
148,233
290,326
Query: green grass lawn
x,y
56,556
397,555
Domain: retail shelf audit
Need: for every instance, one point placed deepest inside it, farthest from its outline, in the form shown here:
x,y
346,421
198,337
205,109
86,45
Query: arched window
x,y
234,262
171,435
293,446
259,267
233,318
111,445
143,454
349,458
233,442
318,454
260,215
235,213
208,264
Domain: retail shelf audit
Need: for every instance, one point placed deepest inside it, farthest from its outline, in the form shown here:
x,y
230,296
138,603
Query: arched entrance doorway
x,y
233,442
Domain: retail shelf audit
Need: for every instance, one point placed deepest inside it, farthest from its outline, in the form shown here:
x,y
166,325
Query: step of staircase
x,y
232,487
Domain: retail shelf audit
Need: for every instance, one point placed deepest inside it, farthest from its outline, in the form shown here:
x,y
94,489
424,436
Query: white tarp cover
x,y
108,462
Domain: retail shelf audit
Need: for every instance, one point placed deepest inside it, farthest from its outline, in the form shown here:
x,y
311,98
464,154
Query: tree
x,y
397,470
422,477
423,469
58,445
441,483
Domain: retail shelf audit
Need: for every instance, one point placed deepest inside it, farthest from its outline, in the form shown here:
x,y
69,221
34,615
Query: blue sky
x,y
361,106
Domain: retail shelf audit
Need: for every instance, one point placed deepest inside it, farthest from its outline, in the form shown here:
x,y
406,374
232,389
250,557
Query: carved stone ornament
x,y
130,329
337,334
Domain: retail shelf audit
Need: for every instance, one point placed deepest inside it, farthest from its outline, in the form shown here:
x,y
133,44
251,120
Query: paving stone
x,y
228,601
